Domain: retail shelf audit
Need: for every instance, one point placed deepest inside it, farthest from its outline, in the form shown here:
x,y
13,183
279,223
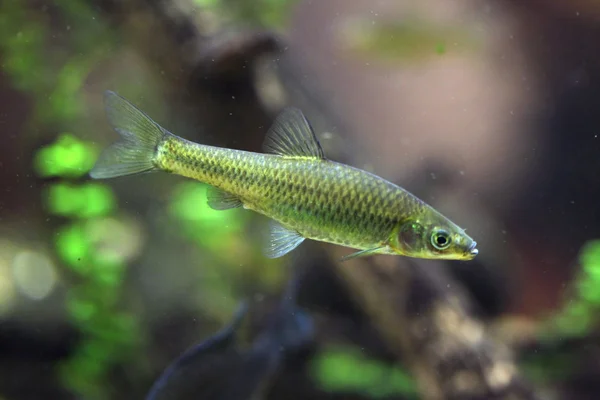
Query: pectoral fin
x,y
362,253
281,240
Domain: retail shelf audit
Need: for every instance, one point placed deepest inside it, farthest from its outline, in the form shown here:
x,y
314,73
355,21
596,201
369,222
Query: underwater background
x,y
487,110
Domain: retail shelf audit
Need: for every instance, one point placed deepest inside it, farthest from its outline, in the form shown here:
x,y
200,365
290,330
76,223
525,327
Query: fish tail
x,y
136,150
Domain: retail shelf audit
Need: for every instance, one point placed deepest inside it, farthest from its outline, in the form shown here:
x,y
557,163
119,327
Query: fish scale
x,y
309,196
301,194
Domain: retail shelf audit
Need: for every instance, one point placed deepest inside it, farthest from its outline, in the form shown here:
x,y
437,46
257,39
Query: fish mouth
x,y
472,249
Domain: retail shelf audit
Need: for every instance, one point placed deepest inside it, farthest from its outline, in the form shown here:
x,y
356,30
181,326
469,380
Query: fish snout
x,y
472,250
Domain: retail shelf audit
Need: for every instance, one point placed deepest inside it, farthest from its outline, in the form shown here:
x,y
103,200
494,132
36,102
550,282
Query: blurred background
x,y
487,110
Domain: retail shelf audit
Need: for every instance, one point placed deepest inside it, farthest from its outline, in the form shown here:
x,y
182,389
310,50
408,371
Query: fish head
x,y
433,237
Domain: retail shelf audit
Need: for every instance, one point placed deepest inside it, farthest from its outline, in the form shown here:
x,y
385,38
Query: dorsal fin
x,y
292,136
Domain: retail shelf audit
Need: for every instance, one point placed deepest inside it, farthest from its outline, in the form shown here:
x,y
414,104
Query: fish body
x,y
219,368
306,195
320,199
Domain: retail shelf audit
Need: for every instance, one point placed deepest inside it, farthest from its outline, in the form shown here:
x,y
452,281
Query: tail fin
x,y
136,150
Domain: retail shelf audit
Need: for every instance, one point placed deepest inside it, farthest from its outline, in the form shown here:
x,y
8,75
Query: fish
x,y
218,368
304,194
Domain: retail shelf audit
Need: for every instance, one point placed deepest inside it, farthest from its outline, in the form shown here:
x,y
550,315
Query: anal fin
x,y
221,200
281,241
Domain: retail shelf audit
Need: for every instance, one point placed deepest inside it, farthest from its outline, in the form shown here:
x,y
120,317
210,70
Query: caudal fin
x,y
135,151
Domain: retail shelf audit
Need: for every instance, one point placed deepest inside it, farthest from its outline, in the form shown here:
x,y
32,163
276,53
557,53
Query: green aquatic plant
x,y
347,370
574,320
82,201
67,157
579,313
54,84
544,368
264,13
86,247
210,229
221,238
111,334
406,40
39,66
21,42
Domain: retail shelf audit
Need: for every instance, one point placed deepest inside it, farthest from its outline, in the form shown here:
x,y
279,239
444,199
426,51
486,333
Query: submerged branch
x,y
208,77
424,317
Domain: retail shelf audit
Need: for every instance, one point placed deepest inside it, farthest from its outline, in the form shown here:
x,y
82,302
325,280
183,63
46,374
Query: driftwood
x,y
419,314
424,317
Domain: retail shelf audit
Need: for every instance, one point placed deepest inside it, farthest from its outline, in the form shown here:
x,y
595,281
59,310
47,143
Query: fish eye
x,y
440,239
